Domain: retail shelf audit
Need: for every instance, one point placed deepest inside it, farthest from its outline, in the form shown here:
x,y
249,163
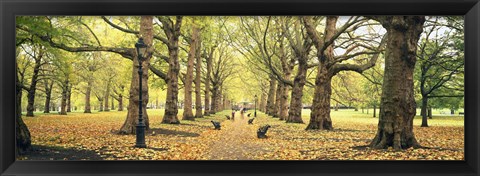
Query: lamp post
x,y
141,48
255,112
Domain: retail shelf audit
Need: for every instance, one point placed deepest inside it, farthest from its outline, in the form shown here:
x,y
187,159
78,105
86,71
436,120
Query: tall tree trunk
x,y
63,105
208,107
107,95
33,86
278,97
271,96
88,108
48,96
198,81
424,111
187,112
129,126
296,105
22,134
69,99
397,107
171,108
374,110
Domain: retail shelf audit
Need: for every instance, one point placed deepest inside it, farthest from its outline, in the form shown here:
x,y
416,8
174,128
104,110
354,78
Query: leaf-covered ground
x,y
79,136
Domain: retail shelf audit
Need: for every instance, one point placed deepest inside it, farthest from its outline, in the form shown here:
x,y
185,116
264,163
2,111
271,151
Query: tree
x,y
194,42
198,76
172,31
395,126
22,134
329,65
440,59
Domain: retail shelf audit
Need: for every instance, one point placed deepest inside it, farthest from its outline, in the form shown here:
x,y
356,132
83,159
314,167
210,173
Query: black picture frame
x,y
10,8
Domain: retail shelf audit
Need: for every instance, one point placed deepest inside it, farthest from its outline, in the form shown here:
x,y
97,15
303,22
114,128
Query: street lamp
x,y
141,49
255,113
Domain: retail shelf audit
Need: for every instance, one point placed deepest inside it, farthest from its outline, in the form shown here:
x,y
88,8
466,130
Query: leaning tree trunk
x,y
88,107
295,113
33,86
187,111
171,108
69,99
198,76
129,126
395,126
22,134
271,96
424,111
320,115
278,97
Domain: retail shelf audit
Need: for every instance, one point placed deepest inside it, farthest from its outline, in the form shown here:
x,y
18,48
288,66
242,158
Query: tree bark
x,y
129,126
22,134
69,99
320,115
424,111
429,113
33,84
63,105
296,105
48,96
187,112
278,97
88,92
262,107
171,109
271,96
397,109
106,97
208,107
374,110
198,81
214,105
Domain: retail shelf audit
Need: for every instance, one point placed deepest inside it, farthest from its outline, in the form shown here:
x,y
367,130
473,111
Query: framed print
x,y
239,87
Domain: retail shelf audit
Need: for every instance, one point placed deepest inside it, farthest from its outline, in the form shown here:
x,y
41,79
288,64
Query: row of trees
x,y
379,61
81,54
421,58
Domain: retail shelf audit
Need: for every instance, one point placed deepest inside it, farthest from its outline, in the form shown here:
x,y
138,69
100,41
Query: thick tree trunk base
x,y
294,119
320,125
386,140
